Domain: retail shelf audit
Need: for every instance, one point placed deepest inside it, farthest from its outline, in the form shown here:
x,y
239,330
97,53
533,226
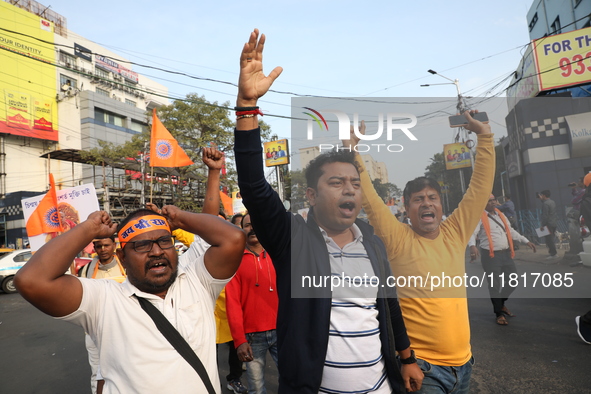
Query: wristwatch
x,y
410,360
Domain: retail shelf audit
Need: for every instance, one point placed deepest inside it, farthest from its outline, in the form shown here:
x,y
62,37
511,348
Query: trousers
x,y
498,270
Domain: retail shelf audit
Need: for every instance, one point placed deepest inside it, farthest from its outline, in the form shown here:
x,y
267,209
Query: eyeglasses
x,y
145,245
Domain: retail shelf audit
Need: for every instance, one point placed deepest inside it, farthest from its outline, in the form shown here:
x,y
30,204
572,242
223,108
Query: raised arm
x,y
386,225
466,217
269,218
213,159
43,282
227,241
252,83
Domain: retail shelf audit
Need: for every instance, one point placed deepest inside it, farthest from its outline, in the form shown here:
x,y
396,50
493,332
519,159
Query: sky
x,y
375,49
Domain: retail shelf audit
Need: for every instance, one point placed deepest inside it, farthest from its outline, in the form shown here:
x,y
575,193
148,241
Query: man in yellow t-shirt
x,y
436,315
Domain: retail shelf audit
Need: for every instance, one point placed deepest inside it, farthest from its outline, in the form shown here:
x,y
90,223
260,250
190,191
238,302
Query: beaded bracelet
x,y
245,116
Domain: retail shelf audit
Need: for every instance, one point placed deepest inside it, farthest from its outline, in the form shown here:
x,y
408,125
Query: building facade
x,y
549,100
61,94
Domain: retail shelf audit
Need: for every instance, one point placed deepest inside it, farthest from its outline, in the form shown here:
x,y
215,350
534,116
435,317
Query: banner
x,y
237,205
563,59
456,156
276,153
28,86
74,205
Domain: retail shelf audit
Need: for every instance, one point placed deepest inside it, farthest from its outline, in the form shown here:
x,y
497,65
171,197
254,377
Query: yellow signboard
x,y
276,153
456,156
564,59
28,84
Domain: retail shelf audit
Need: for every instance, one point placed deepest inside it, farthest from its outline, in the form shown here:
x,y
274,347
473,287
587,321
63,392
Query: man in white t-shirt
x,y
104,266
135,357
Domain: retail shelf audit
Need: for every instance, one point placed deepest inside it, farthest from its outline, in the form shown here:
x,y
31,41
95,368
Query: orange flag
x,y
45,218
227,203
164,149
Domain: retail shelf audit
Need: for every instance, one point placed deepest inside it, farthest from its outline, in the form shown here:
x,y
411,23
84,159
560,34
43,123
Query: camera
x,y
572,184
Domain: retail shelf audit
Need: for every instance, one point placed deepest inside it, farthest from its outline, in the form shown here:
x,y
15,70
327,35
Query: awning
x,y
73,155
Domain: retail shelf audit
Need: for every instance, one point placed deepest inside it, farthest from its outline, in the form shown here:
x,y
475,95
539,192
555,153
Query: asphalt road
x,y
538,352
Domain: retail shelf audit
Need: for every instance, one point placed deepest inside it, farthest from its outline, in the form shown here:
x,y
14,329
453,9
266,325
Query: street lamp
x,y
456,82
460,109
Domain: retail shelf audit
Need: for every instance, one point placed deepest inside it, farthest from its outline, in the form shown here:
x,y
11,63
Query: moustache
x,y
251,232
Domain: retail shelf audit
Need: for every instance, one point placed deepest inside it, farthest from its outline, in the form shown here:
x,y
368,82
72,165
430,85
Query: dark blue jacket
x,y
303,317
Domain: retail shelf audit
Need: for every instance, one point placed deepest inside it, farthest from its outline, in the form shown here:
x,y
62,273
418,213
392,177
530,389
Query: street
x,y
538,352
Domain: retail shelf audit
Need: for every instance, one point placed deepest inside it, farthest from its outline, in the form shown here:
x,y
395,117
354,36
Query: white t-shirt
x,y
134,355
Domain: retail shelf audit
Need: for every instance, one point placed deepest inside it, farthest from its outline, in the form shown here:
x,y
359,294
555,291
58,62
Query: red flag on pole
x,y
164,149
45,218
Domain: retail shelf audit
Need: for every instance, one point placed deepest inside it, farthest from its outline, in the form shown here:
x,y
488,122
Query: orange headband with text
x,y
141,225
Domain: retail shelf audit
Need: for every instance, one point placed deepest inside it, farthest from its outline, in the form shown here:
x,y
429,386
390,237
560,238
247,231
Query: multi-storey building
x,y
549,99
59,94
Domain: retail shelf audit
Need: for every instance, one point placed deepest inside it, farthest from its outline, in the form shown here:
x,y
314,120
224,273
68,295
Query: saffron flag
x,y
227,203
164,149
45,218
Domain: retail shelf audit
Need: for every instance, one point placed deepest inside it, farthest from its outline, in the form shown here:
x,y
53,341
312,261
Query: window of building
x,y
138,126
67,81
533,21
102,92
99,72
66,58
555,28
106,117
130,102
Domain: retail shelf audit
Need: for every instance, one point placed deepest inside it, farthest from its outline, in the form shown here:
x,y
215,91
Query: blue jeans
x,y
260,342
439,379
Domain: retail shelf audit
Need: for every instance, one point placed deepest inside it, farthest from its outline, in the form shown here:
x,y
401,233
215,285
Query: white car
x,y
10,263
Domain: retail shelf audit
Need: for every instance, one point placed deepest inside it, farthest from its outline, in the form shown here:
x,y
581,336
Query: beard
x,y
150,286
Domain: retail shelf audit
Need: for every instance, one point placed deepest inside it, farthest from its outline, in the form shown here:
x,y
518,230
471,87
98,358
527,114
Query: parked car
x,y
10,263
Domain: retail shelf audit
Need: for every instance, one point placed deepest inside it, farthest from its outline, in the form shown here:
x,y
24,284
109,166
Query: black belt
x,y
498,251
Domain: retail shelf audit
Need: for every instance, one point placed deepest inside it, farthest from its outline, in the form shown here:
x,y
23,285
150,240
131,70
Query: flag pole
x,y
151,182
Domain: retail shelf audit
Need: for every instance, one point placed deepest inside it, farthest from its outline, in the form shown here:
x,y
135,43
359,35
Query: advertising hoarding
x,y
276,153
28,84
563,59
456,156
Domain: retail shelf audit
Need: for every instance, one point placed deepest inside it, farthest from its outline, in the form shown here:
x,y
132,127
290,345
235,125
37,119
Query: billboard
x,y
563,59
276,153
456,155
28,84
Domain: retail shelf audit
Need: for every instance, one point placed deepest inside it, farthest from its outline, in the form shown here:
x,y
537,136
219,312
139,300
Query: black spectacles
x,y
145,245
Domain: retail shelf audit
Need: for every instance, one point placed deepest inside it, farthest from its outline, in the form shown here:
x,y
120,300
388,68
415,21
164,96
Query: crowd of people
x,y
154,328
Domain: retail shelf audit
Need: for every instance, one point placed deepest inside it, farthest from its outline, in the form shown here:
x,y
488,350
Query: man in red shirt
x,y
251,304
